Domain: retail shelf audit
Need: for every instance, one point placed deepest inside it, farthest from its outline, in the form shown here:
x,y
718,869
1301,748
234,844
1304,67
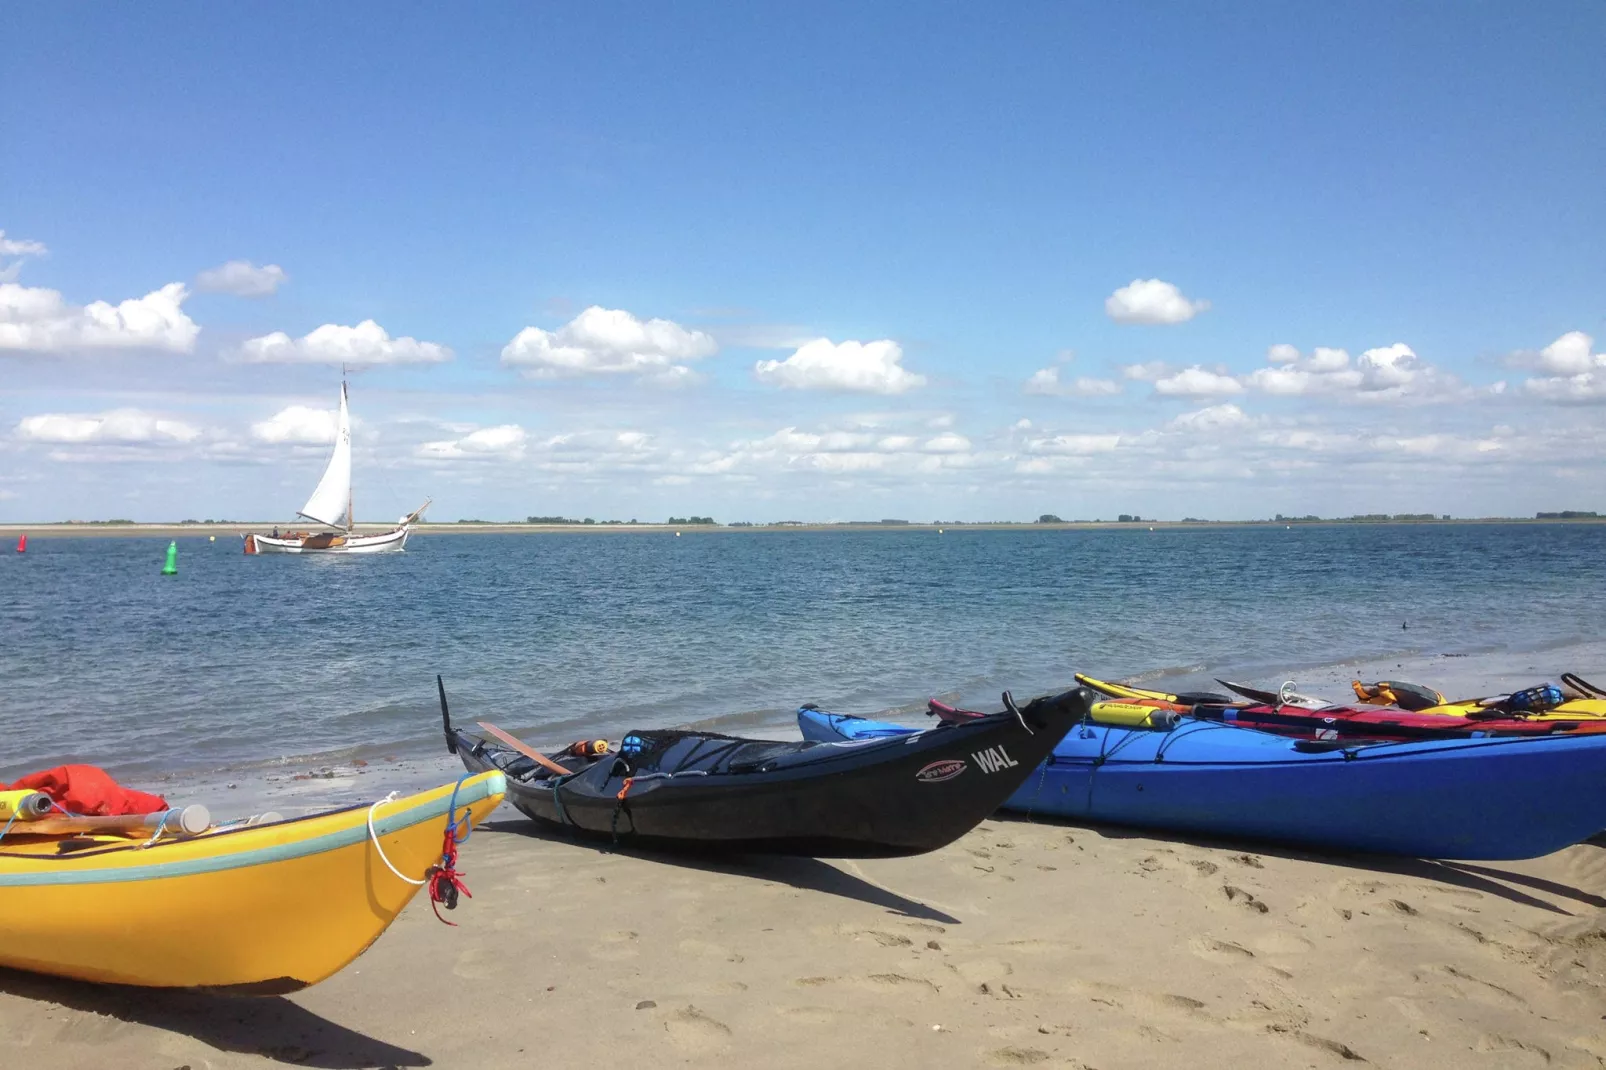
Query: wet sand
x,y
1024,944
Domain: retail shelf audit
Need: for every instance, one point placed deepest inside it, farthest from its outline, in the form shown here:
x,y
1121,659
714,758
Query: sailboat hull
x,y
327,543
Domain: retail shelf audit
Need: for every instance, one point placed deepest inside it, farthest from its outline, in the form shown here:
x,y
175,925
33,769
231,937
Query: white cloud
x,y
366,343
502,442
19,248
864,367
947,442
242,279
40,320
1046,381
1584,388
1197,382
1392,367
1292,374
298,424
118,425
1575,373
1076,444
1387,372
1151,301
1147,372
1215,418
1571,355
605,341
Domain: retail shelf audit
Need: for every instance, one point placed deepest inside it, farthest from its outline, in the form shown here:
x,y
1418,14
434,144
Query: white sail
x,y
331,502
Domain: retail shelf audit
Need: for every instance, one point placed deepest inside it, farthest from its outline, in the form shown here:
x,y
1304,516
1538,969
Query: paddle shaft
x,y
524,749
191,820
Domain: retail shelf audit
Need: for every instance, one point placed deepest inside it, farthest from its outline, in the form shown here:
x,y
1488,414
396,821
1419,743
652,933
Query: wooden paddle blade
x,y
528,751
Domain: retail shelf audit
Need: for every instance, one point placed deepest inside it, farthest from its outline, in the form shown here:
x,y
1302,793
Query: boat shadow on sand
x,y
808,874
270,1026
1475,876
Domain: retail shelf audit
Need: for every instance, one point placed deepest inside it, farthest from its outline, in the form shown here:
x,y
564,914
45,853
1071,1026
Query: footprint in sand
x,y
981,971
1219,950
885,939
1311,1040
691,1030
1260,1016
1476,986
1513,1052
815,1015
902,982
1155,1004
1018,1056
704,949
614,946
1281,943
1040,947
1238,895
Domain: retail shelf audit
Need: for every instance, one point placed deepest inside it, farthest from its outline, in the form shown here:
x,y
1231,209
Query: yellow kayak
x,y
260,909
1575,709
1131,694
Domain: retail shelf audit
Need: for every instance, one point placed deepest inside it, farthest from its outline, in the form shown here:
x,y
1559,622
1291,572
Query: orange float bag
x,y
90,791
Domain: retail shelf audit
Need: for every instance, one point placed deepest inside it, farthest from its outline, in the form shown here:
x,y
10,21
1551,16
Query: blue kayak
x,y
1491,798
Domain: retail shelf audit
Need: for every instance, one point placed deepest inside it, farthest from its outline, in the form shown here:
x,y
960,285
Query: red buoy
x,y
22,544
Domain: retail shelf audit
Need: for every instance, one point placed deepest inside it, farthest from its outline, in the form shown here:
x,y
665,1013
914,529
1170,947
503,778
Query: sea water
x,y
245,668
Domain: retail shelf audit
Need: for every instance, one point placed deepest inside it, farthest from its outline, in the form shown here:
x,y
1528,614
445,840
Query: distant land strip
x,y
696,525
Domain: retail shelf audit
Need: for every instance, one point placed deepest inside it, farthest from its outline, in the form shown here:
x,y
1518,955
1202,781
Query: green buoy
x,y
171,568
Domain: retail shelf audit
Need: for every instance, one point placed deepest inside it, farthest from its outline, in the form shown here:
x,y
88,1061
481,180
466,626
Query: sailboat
x,y
331,506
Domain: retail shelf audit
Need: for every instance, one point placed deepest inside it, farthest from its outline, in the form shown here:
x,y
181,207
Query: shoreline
x,y
93,529
304,782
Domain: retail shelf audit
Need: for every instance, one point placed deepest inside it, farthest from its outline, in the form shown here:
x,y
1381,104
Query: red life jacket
x,y
88,790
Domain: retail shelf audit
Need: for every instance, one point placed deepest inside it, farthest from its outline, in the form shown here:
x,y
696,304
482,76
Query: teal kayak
x,y
1487,799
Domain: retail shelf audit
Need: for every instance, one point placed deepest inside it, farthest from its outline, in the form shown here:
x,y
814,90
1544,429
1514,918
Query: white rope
x,y
161,827
372,835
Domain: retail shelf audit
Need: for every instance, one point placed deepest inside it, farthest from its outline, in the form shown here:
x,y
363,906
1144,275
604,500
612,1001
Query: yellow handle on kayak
x,y
1131,715
23,805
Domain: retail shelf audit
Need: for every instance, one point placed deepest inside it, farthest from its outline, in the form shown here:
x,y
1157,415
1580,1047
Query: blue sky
x,y
920,219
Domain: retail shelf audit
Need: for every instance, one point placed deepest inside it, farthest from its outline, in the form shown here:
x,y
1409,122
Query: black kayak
x,y
876,798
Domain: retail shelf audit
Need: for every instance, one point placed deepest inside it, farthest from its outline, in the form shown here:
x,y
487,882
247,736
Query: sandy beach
x,y
1023,944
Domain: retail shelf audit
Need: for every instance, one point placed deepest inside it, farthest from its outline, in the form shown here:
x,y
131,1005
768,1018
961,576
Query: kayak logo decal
x,y
993,759
937,772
